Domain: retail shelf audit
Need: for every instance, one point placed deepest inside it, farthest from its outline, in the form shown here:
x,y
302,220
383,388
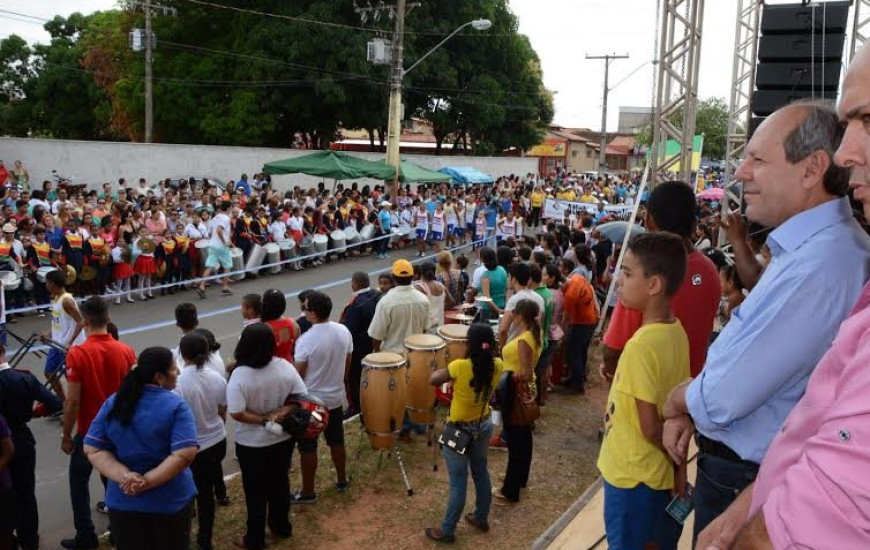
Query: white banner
x,y
559,209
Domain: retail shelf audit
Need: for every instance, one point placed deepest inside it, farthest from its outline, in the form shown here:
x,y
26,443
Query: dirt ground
x,y
376,512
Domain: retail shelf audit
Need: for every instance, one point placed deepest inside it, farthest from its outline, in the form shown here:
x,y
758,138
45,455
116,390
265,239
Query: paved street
x,y
52,489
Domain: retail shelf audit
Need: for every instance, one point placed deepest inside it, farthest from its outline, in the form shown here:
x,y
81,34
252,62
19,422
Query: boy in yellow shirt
x,y
638,474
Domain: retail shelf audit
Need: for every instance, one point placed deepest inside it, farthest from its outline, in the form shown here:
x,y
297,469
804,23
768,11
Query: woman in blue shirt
x,y
143,440
493,285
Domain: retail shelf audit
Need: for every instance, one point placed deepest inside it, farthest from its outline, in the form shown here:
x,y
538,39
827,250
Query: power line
x,y
24,15
279,16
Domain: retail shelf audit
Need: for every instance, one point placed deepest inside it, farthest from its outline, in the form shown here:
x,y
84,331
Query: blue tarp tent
x,y
466,174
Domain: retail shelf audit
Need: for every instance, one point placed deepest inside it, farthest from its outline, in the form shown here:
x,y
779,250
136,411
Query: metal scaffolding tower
x,y
676,101
742,86
861,26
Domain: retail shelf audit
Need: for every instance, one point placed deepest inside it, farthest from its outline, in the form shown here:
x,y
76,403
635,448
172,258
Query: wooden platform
x,y
581,527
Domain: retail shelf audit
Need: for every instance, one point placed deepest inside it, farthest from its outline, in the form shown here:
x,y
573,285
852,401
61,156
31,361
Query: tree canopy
x,y
231,77
711,120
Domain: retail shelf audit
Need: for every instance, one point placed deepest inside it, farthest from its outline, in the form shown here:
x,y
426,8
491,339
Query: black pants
x,y
23,472
579,338
206,469
267,490
354,378
150,531
519,444
535,216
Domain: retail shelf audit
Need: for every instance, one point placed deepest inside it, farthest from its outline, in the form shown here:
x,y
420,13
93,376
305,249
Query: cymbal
x,y
460,317
146,245
483,299
466,306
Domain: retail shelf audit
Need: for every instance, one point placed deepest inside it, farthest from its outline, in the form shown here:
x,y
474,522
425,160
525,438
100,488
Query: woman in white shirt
x,y
205,391
434,291
257,390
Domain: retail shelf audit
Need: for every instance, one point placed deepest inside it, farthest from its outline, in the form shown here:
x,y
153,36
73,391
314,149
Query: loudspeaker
x,y
797,76
799,55
801,47
830,17
765,102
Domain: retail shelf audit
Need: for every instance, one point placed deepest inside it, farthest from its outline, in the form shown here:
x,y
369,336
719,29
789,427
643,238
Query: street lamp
x,y
394,123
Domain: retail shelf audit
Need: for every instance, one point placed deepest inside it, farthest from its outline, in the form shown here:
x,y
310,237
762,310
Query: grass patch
x,y
376,513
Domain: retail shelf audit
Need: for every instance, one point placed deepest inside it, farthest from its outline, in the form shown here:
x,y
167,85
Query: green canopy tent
x,y
331,164
414,173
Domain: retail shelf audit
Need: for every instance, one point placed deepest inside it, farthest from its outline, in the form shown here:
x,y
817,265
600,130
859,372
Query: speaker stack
x,y
799,55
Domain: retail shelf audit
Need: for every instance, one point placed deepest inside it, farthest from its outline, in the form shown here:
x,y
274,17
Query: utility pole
x,y
146,40
149,88
602,161
394,119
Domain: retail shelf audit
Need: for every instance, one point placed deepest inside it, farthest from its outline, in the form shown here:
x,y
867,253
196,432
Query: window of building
x,y
588,153
574,153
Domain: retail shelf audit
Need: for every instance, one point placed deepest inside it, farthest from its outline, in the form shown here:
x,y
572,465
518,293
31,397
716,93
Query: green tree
x,y
711,121
228,77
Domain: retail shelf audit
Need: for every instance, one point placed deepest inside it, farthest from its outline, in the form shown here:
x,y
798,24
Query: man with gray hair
x,y
758,367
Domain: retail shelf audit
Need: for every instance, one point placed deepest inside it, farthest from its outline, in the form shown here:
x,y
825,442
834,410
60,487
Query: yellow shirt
x,y
537,199
654,360
566,195
588,199
465,406
510,354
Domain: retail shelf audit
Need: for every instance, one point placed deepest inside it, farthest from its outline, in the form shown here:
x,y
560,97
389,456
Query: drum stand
x,y
402,469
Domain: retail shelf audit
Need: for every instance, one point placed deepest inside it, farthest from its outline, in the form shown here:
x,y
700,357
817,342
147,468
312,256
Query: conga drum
x,y
383,389
425,355
456,339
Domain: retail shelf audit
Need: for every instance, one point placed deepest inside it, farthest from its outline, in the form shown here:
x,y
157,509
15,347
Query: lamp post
x,y
394,123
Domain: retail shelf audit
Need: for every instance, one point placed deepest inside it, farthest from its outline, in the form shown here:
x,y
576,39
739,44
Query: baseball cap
x,y
403,268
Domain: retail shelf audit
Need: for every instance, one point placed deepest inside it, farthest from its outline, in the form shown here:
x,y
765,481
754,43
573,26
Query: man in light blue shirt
x,y
758,367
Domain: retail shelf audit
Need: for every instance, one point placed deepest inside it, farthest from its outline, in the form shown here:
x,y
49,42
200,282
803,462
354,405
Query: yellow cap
x,y
403,268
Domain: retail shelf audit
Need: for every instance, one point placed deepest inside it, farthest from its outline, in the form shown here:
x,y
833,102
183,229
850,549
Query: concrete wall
x,y
96,162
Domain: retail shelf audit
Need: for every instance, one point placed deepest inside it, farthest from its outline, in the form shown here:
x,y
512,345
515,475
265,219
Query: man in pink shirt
x,y
813,485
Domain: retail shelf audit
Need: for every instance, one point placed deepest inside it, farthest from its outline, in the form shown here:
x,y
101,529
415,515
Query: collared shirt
x,y
18,391
758,367
813,484
403,311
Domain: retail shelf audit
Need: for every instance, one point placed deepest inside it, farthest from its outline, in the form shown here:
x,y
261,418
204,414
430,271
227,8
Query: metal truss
x,y
860,26
676,103
742,86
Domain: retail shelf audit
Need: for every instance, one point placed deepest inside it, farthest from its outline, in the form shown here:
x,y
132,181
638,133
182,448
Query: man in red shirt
x,y
94,371
671,208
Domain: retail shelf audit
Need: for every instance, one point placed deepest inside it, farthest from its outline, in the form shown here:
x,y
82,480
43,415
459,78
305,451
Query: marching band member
x,y
420,222
144,266
122,269
166,257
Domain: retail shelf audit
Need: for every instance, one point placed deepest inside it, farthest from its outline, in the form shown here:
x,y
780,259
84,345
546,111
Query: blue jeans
x,y
577,341
634,517
717,485
80,470
457,469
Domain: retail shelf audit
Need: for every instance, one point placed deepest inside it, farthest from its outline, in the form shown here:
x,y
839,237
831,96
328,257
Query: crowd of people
x,y
760,358
125,241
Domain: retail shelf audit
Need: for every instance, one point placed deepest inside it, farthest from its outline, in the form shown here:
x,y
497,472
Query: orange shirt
x,y
580,305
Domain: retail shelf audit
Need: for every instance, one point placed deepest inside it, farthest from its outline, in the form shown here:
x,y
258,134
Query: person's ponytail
x,y
194,349
481,352
150,362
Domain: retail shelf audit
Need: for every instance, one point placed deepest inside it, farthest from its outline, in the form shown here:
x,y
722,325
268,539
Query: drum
x,y
321,244
307,245
273,256
351,235
425,355
287,249
404,232
43,271
336,241
255,258
89,273
368,232
237,256
202,247
456,338
11,281
383,389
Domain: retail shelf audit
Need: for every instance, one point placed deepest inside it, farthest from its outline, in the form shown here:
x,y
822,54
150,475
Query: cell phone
x,y
681,507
